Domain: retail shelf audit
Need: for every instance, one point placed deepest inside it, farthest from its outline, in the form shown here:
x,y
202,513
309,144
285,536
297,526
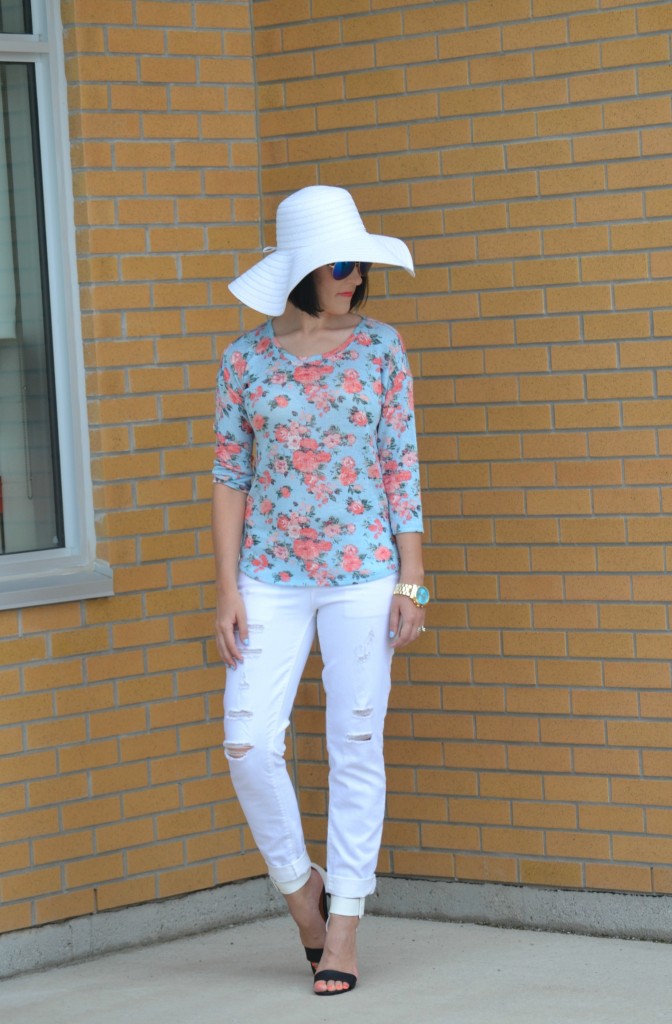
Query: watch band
x,y
419,595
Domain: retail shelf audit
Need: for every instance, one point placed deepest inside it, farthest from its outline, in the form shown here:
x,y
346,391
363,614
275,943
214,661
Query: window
x,y
47,540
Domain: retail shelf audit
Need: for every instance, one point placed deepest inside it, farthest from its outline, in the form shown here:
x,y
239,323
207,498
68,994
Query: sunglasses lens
x,y
343,269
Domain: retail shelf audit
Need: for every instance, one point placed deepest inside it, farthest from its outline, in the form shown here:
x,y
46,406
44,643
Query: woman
x,y
317,526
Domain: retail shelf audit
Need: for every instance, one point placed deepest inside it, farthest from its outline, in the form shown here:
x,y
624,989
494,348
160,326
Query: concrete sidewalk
x,y
410,971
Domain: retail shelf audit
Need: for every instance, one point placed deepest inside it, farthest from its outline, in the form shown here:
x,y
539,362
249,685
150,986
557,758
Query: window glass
x,y
15,16
30,502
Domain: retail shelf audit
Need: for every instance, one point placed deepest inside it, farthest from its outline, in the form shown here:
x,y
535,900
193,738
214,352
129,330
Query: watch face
x,y
422,595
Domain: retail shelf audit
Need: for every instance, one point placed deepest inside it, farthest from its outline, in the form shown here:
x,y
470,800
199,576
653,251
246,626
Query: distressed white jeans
x,y
352,623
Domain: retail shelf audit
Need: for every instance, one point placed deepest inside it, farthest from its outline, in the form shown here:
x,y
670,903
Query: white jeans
x,y
353,627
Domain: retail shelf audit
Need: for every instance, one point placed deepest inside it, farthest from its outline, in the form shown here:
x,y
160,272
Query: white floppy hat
x,y
317,225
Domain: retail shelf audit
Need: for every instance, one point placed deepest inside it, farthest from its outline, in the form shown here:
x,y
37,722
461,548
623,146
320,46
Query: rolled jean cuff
x,y
292,877
352,888
347,906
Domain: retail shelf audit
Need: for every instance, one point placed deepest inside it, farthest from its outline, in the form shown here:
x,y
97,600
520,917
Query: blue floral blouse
x,y
325,448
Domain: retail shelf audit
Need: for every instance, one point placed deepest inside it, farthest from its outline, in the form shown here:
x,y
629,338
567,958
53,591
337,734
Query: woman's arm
x,y
228,513
405,616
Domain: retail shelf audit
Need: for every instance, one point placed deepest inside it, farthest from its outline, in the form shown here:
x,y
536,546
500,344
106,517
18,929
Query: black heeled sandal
x,y
313,956
348,979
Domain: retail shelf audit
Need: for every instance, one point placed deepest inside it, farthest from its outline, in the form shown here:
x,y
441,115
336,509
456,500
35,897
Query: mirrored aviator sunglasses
x,y
339,271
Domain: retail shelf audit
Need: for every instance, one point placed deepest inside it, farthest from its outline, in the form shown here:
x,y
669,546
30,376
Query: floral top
x,y
325,447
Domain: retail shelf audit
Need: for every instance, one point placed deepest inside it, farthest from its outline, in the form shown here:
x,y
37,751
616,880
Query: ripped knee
x,y
237,751
361,737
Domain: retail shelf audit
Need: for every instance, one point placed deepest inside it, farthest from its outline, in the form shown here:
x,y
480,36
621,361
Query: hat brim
x,y
266,286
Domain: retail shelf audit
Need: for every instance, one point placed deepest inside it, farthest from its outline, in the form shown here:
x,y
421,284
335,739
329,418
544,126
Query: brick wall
x,y
115,790
523,151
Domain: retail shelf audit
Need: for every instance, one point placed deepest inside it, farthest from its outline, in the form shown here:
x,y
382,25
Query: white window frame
x,y
72,572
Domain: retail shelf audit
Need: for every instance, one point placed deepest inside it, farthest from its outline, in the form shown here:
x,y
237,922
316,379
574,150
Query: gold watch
x,y
418,595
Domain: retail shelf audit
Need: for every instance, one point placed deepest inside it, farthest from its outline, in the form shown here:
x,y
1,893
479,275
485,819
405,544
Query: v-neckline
x,y
329,354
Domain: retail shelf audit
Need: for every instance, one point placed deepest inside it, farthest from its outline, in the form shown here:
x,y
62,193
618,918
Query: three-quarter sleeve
x,y
397,442
233,464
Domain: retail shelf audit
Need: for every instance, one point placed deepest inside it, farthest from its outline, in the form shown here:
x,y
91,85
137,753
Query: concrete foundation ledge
x,y
618,915
80,938
609,914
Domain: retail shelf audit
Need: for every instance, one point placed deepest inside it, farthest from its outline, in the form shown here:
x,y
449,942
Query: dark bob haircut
x,y
304,295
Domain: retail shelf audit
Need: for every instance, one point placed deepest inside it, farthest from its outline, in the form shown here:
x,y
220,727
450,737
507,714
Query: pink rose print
x,y
392,481
312,372
351,382
351,561
265,507
376,527
355,507
308,547
225,450
308,458
282,401
239,363
358,418
348,473
382,554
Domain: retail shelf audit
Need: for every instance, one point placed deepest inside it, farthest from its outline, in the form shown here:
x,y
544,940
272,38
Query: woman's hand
x,y
230,618
406,620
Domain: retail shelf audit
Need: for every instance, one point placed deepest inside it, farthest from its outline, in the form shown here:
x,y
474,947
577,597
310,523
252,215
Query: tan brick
x,y
563,328
546,873
632,52
498,868
484,12
500,68
582,790
567,59
513,840
376,26
534,34
618,207
185,880
602,26
505,126
553,92
63,848
64,905
538,154
22,650
614,877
